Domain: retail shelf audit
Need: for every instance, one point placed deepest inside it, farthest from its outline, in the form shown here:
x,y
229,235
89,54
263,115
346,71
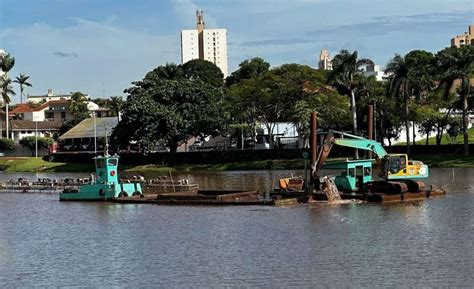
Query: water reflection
x,y
45,243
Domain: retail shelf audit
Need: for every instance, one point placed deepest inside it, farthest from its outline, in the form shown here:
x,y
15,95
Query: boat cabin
x,y
106,169
354,174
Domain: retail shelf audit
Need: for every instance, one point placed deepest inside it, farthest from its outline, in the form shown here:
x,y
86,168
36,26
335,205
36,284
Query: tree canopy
x,y
167,111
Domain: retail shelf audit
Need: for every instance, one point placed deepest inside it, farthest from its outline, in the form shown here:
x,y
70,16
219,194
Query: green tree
x,y
250,68
30,142
454,128
346,68
7,90
22,80
399,87
167,111
78,105
455,67
203,70
169,71
6,144
115,105
67,125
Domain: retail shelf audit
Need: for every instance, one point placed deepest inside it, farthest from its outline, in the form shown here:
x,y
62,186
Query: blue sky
x,y
100,46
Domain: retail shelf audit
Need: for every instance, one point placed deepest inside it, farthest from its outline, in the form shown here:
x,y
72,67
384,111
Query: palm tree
x,y
115,105
399,86
6,63
78,105
346,68
22,80
7,91
455,68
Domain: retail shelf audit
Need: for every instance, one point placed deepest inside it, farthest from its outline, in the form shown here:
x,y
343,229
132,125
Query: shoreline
x,y
31,164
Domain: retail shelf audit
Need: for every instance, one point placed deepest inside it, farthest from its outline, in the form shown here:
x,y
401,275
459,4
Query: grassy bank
x,y
39,165
447,161
31,164
446,139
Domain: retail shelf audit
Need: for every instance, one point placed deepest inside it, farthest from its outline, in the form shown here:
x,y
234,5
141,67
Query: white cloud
x,y
107,57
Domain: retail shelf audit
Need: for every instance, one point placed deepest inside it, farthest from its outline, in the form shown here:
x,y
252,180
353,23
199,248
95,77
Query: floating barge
x,y
205,198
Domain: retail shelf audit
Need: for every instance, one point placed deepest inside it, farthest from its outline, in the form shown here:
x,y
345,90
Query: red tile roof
x,y
24,107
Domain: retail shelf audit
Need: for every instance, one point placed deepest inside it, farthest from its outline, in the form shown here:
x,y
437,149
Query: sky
x,y
100,46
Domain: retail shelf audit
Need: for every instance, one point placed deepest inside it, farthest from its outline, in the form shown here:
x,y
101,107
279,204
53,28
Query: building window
x,y
63,115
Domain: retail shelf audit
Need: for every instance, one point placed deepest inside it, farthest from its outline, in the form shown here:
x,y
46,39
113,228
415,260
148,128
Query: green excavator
x,y
399,173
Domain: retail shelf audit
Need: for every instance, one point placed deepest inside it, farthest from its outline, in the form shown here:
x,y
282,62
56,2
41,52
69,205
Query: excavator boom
x,y
396,166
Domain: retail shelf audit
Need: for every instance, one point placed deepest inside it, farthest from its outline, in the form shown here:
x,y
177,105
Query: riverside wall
x,y
215,157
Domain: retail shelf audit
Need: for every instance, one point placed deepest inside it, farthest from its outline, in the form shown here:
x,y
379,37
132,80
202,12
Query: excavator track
x,y
387,187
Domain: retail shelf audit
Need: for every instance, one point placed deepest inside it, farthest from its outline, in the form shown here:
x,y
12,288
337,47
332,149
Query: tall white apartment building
x,y
206,44
189,45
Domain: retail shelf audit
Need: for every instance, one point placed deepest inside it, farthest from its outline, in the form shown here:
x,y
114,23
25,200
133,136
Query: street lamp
x,y
92,107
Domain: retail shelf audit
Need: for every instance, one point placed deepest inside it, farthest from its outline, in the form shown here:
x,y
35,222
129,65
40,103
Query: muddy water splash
x,y
331,190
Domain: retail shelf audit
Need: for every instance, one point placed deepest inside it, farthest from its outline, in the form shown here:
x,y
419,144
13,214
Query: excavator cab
x,y
397,166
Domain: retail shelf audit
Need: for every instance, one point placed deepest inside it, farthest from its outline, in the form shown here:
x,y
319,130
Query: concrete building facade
x,y
325,61
50,96
374,70
464,39
205,44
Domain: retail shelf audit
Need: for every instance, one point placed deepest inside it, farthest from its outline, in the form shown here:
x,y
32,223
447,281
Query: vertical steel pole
x,y
370,125
313,144
36,138
95,134
313,147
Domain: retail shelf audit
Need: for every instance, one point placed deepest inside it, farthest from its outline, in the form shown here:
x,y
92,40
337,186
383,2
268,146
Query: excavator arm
x,y
395,166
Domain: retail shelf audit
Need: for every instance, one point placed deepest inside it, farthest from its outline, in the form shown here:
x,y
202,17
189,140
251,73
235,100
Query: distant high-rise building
x,y
206,44
465,39
374,70
325,62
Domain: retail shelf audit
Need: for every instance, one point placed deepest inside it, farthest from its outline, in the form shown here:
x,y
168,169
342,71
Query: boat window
x,y
367,172
100,163
352,172
359,170
112,162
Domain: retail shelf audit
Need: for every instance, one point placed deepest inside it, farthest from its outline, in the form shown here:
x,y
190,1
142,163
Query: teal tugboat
x,y
106,185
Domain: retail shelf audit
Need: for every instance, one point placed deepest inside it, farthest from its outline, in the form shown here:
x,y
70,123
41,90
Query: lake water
x,y
46,243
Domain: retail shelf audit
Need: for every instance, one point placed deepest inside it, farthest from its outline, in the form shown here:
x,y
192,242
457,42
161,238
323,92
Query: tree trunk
x,y
21,93
270,133
414,135
427,137
354,120
465,123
